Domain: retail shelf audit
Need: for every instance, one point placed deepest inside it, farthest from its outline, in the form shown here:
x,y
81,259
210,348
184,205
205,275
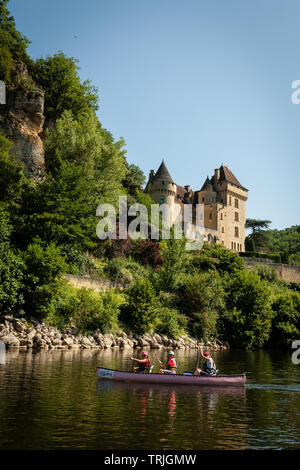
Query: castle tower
x,y
162,188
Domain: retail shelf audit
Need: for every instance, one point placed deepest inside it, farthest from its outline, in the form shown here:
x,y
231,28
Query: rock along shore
x,y
17,333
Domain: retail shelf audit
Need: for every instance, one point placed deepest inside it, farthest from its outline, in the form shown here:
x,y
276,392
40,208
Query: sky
x,y
199,83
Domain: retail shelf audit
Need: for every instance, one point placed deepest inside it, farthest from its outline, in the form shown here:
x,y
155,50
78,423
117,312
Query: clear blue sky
x,y
196,82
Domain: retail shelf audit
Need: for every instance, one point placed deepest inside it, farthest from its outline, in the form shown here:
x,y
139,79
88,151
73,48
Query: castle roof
x,y
207,186
227,175
162,174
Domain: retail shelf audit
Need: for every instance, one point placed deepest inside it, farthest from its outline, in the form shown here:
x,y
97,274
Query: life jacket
x,y
144,366
209,366
172,364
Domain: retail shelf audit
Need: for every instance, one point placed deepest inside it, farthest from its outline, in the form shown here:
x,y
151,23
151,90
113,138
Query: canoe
x,y
182,379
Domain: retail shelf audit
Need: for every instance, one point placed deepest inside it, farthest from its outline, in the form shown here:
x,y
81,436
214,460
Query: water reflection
x,y
181,413
52,400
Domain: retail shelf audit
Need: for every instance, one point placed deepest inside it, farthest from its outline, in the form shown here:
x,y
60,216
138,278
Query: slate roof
x,y
163,174
227,175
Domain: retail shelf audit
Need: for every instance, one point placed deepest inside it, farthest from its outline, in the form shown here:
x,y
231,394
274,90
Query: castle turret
x,y
161,187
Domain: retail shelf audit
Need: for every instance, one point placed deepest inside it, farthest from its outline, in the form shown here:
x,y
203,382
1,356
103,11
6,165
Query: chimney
x,y
217,175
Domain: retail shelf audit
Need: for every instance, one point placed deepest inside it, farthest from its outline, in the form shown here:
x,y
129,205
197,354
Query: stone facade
x,y
223,200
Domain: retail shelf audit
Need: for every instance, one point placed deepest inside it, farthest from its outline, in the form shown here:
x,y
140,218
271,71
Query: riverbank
x,y
17,333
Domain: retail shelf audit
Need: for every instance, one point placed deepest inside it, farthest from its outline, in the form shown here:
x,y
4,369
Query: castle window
x,y
221,216
236,231
236,203
203,199
162,199
236,216
222,242
223,230
232,245
230,200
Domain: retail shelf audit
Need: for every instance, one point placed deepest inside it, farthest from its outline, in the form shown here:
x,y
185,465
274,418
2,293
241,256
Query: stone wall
x,y
286,272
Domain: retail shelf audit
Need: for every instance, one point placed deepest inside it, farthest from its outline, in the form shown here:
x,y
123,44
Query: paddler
x,y
209,366
144,363
171,364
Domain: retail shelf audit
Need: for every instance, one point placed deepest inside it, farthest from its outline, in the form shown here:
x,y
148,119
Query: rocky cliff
x,y
24,120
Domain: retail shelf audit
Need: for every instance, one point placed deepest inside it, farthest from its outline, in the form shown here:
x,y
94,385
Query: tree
x,y
64,91
85,167
44,268
13,44
174,262
249,317
217,257
259,237
202,299
286,319
139,312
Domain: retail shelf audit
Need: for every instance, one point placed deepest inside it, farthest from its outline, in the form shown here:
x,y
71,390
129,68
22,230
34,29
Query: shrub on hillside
x,y
93,311
248,320
139,312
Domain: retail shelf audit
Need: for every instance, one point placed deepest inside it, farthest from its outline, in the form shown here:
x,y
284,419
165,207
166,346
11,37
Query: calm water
x,y
51,400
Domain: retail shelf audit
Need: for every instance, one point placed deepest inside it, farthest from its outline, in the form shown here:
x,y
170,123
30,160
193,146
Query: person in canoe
x,y
144,363
209,366
171,364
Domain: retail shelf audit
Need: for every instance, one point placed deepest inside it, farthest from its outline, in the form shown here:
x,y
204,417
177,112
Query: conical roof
x,y
227,175
207,185
163,174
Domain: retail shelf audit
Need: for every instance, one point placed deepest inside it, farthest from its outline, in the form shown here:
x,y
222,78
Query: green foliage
x,y
217,257
170,322
13,44
202,299
11,174
79,262
11,281
124,271
295,259
45,266
175,261
286,241
5,226
286,319
139,312
92,311
248,320
58,76
84,167
275,257
267,273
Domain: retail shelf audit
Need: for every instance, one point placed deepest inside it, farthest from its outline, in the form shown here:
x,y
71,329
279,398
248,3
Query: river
x,y
52,400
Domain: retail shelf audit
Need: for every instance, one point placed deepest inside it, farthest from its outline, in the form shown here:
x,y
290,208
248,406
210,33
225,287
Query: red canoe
x,y
218,380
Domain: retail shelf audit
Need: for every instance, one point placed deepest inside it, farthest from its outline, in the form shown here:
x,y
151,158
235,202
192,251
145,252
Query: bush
x,y
44,268
202,299
78,262
139,312
170,322
217,257
11,281
92,311
248,320
147,252
286,319
267,273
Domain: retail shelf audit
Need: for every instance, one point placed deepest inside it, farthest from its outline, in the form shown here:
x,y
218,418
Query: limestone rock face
x,y
24,121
